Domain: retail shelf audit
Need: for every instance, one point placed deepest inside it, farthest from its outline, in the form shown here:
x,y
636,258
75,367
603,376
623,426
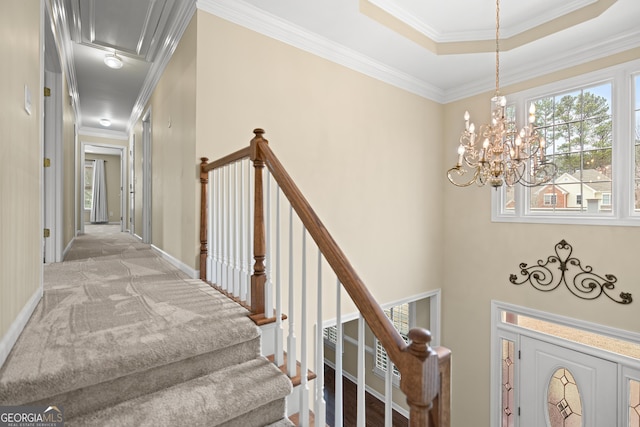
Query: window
x,y
88,184
400,316
331,335
589,137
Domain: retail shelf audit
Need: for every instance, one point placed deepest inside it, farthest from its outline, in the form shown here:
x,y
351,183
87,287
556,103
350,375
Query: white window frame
x,y
623,158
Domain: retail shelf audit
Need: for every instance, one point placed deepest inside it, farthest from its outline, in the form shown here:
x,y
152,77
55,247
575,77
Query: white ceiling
x,y
440,50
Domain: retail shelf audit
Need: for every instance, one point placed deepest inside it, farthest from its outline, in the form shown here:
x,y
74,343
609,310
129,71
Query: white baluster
x,y
388,394
268,291
320,404
210,222
218,236
279,354
291,339
232,219
361,410
304,388
250,208
236,238
338,374
243,231
225,234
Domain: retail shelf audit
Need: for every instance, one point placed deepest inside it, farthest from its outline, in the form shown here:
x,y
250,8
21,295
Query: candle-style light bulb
x,y
460,154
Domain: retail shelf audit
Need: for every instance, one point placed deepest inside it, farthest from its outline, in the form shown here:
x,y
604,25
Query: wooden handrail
x,y
417,362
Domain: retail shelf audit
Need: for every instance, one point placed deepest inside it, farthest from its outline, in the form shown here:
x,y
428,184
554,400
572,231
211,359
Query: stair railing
x,y
235,231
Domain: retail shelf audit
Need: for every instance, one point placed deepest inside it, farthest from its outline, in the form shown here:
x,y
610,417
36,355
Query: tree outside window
x,y
578,128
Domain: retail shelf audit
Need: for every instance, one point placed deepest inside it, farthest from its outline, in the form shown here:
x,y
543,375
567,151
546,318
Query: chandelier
x,y
498,153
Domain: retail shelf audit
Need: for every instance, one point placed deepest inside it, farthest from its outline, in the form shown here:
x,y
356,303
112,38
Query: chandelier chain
x,y
497,47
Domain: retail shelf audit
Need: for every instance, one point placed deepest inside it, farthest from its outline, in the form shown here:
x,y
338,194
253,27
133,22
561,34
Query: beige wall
x,y
365,154
112,179
20,151
173,155
480,256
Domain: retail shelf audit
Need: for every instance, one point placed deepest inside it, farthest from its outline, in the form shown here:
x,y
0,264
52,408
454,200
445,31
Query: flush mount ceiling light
x,y
113,61
498,154
105,122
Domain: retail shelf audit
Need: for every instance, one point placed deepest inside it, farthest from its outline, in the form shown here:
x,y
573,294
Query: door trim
x,y
501,330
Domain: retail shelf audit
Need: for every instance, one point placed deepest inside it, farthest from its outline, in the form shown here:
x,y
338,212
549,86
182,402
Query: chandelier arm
x,y
458,170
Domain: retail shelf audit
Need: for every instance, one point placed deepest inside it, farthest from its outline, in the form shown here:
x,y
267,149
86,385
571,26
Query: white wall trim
x,y
191,272
9,339
435,297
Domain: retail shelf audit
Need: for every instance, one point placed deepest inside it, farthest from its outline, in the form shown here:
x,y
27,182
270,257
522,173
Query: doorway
x,y
115,158
52,143
146,177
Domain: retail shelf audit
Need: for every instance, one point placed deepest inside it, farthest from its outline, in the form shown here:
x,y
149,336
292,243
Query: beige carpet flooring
x,y
115,309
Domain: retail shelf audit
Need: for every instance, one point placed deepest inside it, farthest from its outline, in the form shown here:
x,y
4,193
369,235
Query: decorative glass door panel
x,y
561,387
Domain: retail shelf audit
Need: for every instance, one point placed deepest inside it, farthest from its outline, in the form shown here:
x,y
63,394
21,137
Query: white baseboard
x,y
9,339
66,250
192,273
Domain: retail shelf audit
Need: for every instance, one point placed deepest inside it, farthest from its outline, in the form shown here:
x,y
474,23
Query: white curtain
x,y
99,207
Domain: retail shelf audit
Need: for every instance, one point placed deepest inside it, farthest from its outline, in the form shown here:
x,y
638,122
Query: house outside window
x,y
585,122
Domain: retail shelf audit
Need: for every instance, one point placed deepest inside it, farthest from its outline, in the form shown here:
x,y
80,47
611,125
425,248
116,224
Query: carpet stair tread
x,y
87,334
212,400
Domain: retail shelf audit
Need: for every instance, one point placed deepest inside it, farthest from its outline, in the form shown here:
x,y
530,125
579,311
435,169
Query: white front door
x,y
565,388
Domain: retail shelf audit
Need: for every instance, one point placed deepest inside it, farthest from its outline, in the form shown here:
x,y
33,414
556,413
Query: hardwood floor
x,y
374,407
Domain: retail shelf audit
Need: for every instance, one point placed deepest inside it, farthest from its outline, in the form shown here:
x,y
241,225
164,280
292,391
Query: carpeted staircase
x,y
122,338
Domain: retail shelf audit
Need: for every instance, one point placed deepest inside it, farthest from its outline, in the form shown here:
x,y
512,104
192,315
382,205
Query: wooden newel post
x,y
204,180
258,278
421,381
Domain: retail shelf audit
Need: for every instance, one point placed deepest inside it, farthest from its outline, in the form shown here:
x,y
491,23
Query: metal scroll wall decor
x,y
581,281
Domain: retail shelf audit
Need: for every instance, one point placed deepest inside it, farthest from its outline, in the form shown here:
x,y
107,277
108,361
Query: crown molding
x,y
547,65
393,8
248,16
184,13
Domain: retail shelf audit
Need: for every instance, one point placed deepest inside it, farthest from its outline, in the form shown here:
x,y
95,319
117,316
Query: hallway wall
x,y
21,154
